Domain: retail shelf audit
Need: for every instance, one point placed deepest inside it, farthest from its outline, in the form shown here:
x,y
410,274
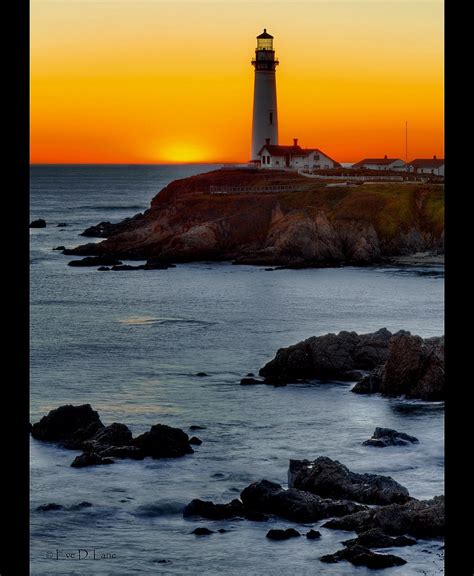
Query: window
x,y
316,156
271,118
277,163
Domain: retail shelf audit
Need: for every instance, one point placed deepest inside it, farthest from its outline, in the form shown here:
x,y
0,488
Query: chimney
x,y
385,156
267,141
434,157
295,142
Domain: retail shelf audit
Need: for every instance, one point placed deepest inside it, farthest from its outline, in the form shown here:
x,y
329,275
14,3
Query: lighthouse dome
x,y
265,34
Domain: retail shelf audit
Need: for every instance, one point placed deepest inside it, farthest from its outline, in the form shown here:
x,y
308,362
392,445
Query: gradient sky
x,y
152,81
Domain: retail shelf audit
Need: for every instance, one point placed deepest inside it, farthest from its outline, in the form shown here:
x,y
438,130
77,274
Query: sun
x,y
183,152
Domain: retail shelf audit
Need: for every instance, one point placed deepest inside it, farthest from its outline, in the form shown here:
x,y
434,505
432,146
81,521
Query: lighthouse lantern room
x,y
265,115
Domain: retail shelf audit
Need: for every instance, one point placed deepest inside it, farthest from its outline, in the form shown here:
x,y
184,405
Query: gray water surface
x,y
131,344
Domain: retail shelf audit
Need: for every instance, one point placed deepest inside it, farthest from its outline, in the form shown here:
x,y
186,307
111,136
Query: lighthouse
x,y
265,115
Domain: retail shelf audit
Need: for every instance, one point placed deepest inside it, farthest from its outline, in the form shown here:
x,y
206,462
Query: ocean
x,y
131,344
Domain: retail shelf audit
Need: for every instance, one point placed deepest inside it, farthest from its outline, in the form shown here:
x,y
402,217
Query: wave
x,y
150,321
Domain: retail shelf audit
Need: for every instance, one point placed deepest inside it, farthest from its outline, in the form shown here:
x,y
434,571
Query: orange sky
x,y
155,81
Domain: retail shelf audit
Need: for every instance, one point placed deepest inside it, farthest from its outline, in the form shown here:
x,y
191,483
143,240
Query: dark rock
x,y
89,249
51,507
331,479
249,381
370,383
313,534
375,538
400,364
40,223
197,427
63,422
276,534
333,356
360,556
125,267
211,511
250,375
60,248
157,264
195,441
201,531
372,349
103,269
201,374
387,437
103,260
415,368
113,435
107,229
163,442
62,225
222,531
78,439
419,518
90,459
123,452
296,505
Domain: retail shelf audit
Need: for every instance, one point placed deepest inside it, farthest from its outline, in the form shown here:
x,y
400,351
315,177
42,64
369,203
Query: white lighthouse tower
x,y
265,115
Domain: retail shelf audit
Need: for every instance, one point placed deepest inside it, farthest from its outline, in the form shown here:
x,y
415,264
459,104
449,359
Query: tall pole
x,y
406,141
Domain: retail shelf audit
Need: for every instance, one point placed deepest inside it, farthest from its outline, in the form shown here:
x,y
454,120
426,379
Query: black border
x,y
14,547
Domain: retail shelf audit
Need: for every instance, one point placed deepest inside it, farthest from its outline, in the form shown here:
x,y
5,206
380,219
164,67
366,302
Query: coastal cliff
x,y
311,225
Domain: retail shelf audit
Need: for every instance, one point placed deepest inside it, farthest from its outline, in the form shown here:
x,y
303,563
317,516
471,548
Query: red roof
x,y
278,150
381,161
427,162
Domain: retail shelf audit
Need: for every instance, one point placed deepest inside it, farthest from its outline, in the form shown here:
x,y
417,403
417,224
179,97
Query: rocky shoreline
x,y
377,508
318,226
322,493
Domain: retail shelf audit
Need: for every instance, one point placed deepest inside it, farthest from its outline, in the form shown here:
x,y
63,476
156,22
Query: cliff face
x,y
316,225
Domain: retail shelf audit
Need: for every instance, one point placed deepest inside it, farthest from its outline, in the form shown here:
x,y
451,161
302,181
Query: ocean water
x,y
131,344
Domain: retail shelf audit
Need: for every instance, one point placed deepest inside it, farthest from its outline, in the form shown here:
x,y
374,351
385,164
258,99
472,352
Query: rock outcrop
x,y
40,223
383,437
312,225
397,364
293,504
332,356
80,428
330,479
360,556
65,422
375,538
419,518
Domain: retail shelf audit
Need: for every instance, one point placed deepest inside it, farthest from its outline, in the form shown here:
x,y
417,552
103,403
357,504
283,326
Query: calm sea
x,y
131,343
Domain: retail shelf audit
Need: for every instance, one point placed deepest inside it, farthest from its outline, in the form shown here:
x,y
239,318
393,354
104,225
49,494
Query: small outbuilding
x,y
384,163
433,166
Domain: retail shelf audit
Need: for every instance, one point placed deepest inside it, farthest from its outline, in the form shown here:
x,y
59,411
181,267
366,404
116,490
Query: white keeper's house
x,y
277,156
381,164
427,166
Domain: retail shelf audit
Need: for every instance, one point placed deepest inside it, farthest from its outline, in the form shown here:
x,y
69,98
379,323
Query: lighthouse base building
x,y
278,157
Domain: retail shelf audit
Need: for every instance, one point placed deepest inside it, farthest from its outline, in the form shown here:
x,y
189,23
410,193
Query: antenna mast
x,y
406,141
